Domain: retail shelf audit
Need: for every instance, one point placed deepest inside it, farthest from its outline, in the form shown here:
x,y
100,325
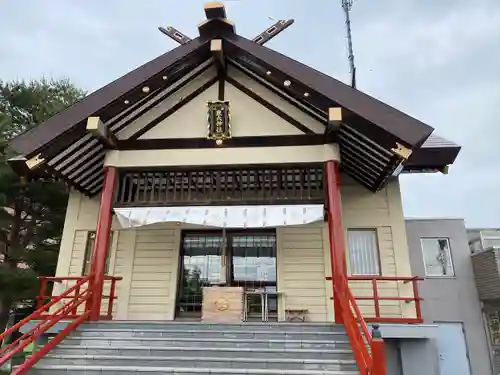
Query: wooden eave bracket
x,y
334,122
99,130
217,53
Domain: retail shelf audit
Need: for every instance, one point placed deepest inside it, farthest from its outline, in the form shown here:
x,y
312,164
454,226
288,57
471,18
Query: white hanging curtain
x,y
222,216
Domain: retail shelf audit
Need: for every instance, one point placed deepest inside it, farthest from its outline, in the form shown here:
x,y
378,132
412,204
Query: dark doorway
x,y
245,258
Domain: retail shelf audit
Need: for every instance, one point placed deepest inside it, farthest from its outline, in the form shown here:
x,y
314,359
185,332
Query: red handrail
x,y
359,336
69,310
370,362
44,280
39,312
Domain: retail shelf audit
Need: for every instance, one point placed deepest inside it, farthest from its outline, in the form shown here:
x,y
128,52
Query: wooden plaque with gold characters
x,y
219,121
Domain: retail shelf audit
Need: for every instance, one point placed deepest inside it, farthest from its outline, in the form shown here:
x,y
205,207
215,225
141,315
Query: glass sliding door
x,y
201,257
231,258
253,266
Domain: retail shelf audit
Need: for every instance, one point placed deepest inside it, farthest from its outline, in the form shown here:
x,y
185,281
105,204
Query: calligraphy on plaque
x,y
219,121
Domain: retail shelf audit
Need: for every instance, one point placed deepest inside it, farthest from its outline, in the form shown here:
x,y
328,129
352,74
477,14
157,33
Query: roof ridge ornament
x,y
215,10
216,23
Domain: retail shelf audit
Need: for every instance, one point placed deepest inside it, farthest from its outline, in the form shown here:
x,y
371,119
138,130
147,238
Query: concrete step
x,y
202,362
121,370
120,342
206,351
248,334
187,326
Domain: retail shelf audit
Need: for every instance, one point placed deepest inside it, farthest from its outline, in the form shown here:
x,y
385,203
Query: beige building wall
x,y
383,211
147,258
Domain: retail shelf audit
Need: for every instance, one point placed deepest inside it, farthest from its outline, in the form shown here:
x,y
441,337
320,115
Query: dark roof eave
x,y
409,130
433,157
45,132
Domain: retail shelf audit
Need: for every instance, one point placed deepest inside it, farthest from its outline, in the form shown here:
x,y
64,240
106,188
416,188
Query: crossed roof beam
x,y
216,10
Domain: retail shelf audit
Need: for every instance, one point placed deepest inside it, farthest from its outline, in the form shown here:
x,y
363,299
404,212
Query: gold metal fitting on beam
x,y
402,151
35,161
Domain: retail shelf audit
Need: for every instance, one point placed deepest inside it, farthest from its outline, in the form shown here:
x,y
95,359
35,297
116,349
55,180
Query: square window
x,y
437,257
89,249
364,254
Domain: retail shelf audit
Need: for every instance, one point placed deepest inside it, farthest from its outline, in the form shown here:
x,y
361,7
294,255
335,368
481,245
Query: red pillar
x,y
336,232
102,237
379,362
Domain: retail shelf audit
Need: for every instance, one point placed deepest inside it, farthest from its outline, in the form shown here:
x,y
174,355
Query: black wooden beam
x,y
285,116
220,63
217,52
253,141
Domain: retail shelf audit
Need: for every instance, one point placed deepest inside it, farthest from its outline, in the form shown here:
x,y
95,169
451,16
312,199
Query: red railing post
x,y
77,294
41,298
102,237
88,303
376,298
418,309
377,345
111,299
336,234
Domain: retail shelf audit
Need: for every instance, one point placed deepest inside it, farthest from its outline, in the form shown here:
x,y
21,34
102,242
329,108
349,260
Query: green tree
x,y
31,211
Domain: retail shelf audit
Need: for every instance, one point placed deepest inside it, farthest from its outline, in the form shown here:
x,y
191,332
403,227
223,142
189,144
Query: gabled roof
x,y
371,136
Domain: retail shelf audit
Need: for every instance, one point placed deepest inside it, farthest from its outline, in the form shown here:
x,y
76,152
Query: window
x,y
89,248
202,259
493,319
490,239
363,252
254,258
437,257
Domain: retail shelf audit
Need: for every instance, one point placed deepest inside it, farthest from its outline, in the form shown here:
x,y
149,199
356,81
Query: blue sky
x,y
438,61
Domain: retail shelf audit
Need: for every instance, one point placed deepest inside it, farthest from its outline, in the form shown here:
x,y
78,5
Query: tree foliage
x,y
31,211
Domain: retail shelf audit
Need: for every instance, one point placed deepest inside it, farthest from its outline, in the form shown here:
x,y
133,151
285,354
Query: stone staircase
x,y
137,348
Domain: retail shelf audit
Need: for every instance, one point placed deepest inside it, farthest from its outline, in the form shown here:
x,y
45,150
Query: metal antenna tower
x,y
347,6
